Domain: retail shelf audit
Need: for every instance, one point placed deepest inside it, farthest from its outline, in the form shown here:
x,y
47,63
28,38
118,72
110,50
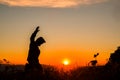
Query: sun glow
x,y
66,62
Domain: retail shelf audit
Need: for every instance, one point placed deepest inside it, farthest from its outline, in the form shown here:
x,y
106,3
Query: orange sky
x,y
76,31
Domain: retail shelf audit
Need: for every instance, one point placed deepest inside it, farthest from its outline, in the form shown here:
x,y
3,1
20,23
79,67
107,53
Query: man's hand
x,y
37,29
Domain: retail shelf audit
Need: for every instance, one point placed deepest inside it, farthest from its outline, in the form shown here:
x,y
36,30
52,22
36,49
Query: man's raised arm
x,y
32,38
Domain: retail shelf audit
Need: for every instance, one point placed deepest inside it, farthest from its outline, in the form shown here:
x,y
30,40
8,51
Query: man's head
x,y
40,41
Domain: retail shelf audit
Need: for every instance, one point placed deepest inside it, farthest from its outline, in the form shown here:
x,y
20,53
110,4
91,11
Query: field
x,y
16,72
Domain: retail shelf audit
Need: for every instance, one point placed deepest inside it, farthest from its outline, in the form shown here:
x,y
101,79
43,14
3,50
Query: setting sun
x,y
66,62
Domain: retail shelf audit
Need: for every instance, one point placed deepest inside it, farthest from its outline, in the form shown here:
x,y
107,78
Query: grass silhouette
x,y
16,72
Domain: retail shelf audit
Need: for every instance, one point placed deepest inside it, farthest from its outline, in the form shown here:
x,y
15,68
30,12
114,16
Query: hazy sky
x,y
73,29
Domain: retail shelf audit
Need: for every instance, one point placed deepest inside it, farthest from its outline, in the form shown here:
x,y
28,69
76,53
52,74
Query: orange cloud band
x,y
49,3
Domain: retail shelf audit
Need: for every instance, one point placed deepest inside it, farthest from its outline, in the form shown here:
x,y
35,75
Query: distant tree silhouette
x,y
34,52
114,57
113,63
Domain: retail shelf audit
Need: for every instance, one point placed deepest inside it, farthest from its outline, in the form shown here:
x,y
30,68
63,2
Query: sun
x,y
66,62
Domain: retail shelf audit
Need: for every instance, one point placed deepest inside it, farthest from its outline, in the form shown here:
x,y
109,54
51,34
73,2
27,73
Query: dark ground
x,y
16,72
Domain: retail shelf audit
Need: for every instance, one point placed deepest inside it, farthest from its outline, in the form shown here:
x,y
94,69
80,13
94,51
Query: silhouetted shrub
x,y
114,59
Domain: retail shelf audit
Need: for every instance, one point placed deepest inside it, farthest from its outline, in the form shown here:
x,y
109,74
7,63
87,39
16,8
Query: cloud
x,y
49,3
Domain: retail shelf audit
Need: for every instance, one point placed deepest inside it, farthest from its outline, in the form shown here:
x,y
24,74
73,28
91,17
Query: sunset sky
x,y
73,30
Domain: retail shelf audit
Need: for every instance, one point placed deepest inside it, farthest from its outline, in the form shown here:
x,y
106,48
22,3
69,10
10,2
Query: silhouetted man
x,y
34,52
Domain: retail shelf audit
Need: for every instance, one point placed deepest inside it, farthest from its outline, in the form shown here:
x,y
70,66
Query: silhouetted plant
x,y
114,57
93,62
95,55
6,61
